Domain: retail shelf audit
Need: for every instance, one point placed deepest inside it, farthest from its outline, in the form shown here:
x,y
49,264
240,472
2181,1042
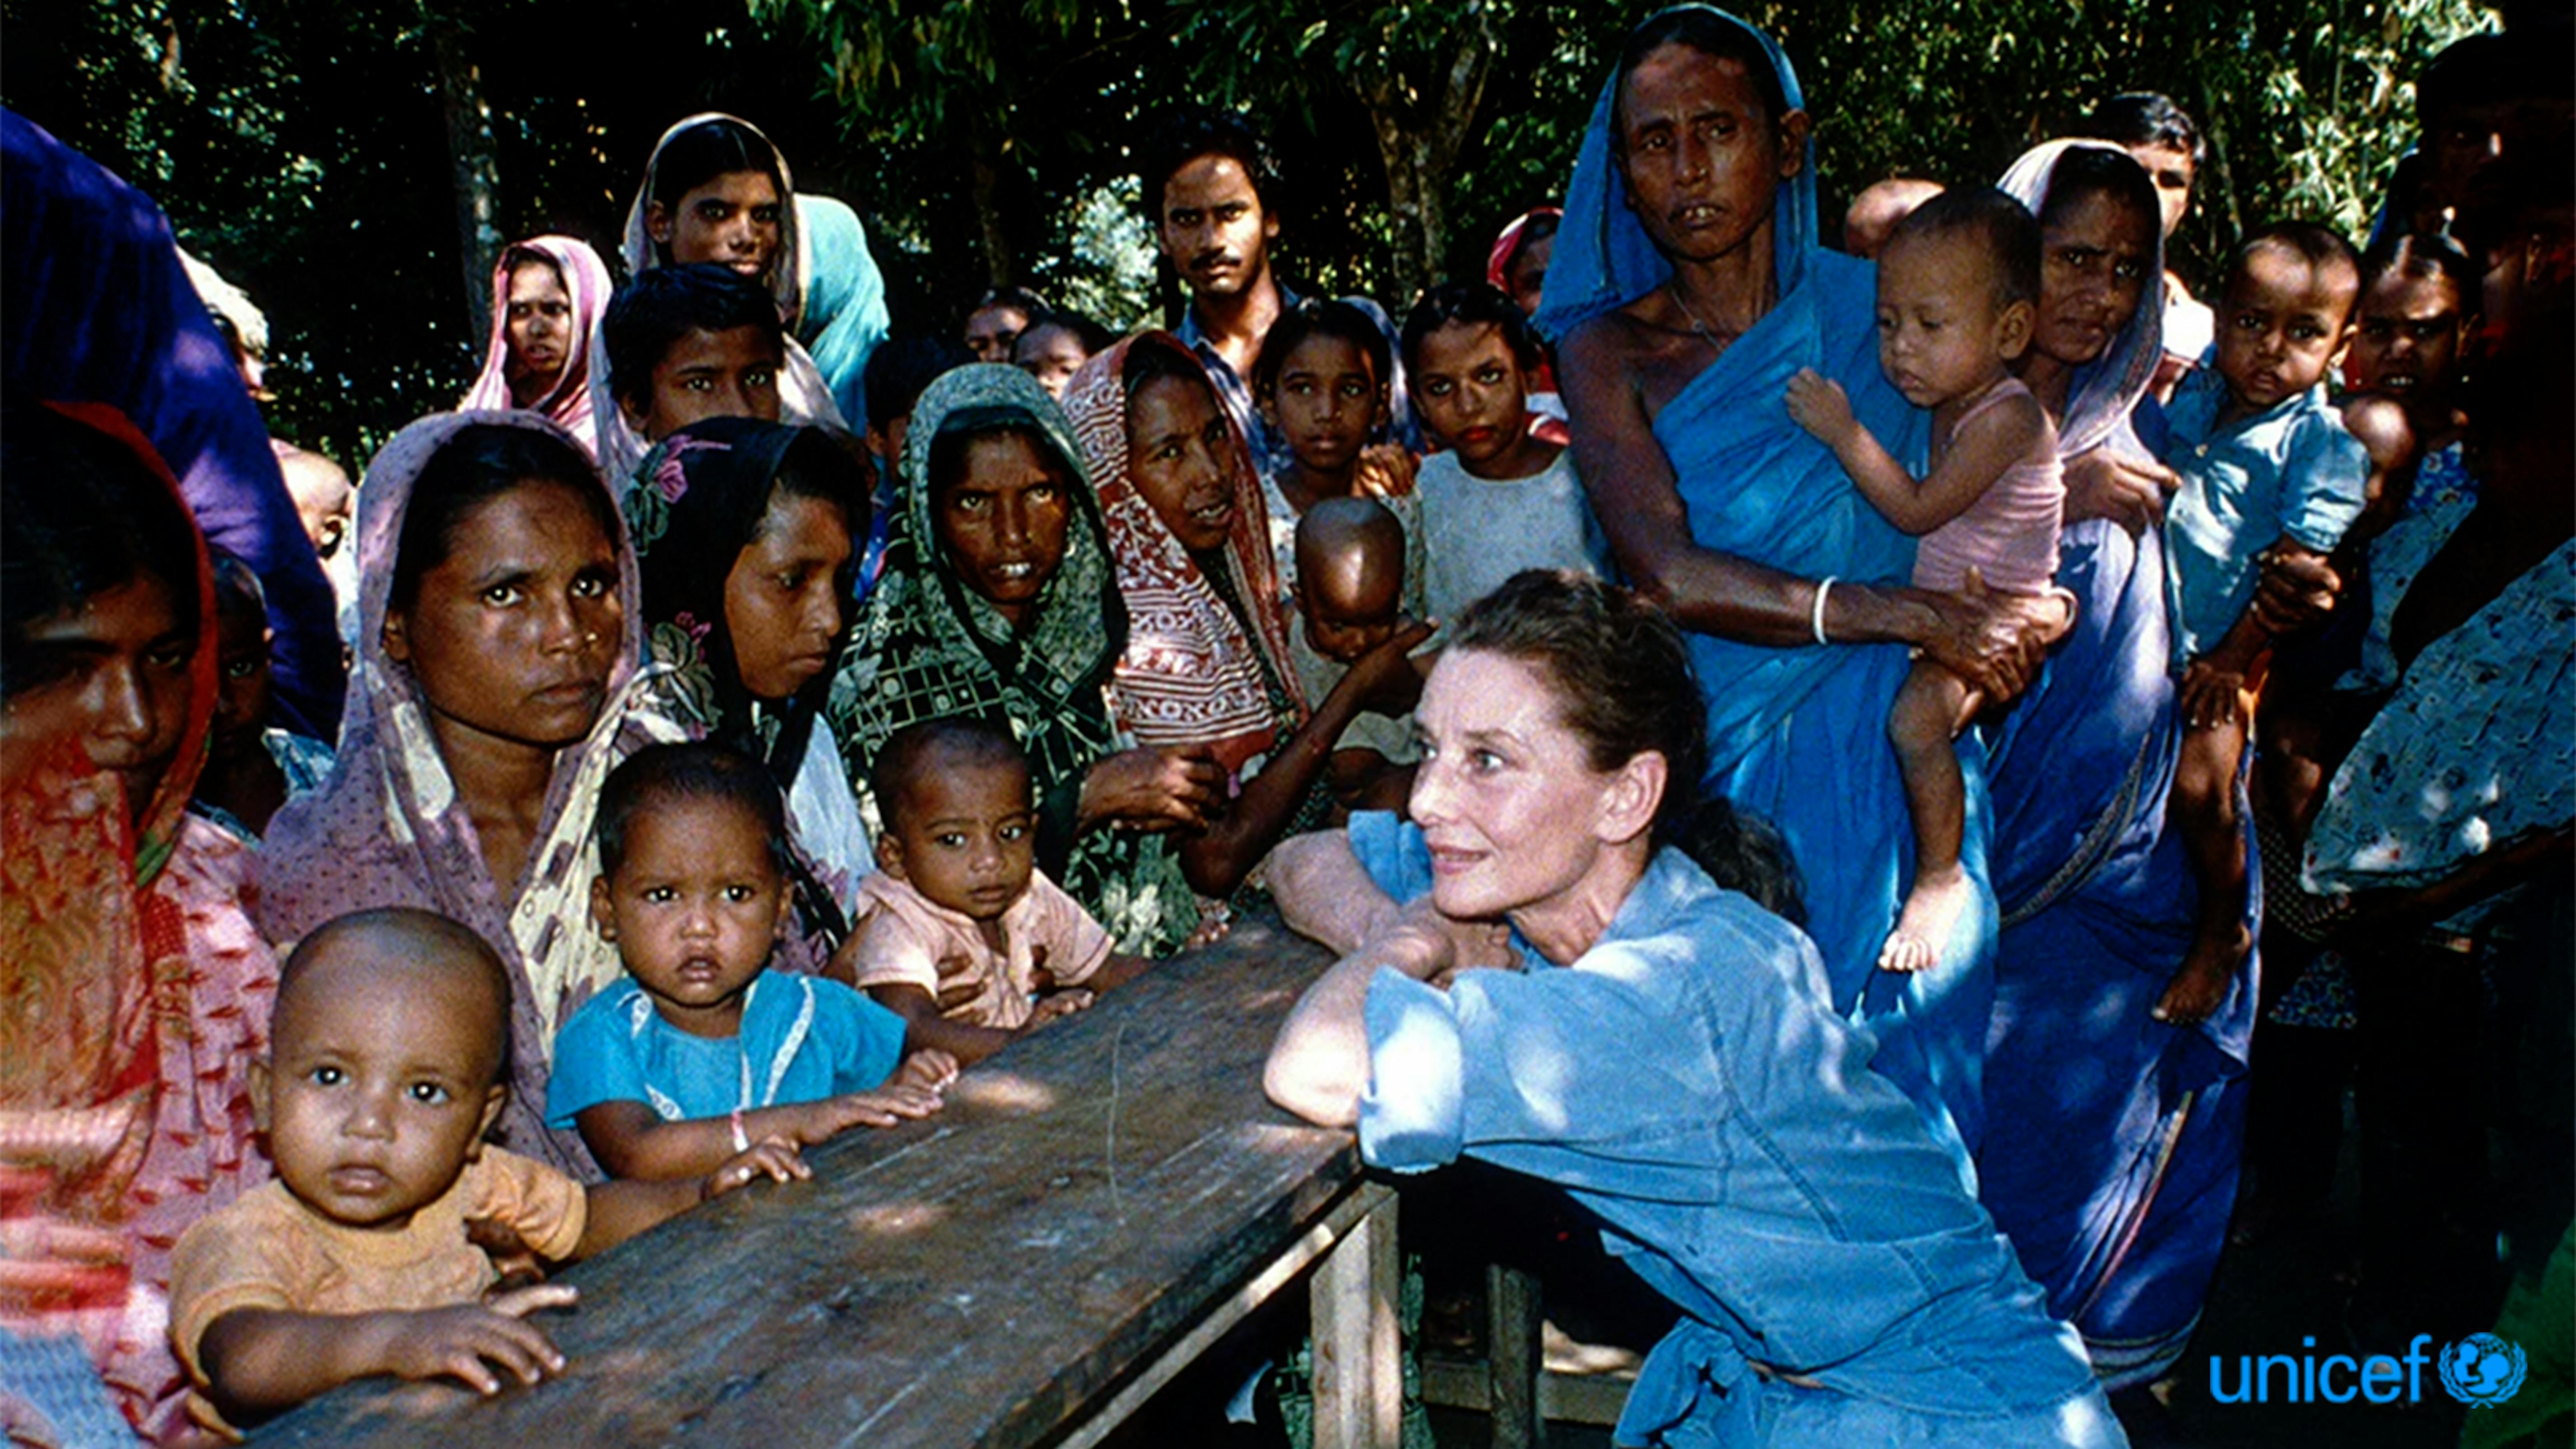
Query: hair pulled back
x,y
1623,682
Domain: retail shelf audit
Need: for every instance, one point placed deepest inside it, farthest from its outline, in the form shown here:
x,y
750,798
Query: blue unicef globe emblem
x,y
2482,1369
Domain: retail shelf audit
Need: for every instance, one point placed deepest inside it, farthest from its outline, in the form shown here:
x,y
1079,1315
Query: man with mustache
x,y
1210,189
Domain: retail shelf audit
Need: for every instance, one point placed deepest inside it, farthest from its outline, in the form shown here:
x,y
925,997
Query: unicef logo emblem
x,y
2482,1369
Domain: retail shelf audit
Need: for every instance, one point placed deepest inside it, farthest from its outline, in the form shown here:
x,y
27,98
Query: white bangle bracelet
x,y
1816,615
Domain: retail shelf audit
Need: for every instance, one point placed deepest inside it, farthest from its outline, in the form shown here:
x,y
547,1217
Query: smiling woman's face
x,y
1506,796
512,637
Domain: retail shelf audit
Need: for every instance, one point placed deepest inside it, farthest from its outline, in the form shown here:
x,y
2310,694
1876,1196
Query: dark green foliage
x,y
300,147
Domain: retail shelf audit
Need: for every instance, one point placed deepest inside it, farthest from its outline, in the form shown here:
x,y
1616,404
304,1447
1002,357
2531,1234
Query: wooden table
x,y
1096,1206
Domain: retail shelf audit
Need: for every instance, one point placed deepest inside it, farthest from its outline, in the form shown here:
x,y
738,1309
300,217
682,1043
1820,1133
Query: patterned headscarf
x,y
78,1023
585,282
134,997
1192,674
389,830
2105,390
928,647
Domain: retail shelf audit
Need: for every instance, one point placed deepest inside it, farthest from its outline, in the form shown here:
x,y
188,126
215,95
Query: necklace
x,y
1706,333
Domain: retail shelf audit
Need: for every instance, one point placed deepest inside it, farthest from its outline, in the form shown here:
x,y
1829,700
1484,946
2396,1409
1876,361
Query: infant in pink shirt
x,y
960,932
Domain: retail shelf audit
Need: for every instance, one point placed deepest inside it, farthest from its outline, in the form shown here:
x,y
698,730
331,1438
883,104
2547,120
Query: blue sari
x,y
2115,1169
1799,735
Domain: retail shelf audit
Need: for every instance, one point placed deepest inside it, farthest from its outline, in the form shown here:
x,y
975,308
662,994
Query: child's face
x,y
2408,340
380,1082
782,598
2171,169
1052,355
694,909
241,683
1351,607
964,836
1471,392
1528,273
886,439
1941,335
731,219
1326,402
2281,324
728,374
991,332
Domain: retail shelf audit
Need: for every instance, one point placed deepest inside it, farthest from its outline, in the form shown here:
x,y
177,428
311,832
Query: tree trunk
x,y
473,166
985,182
1418,141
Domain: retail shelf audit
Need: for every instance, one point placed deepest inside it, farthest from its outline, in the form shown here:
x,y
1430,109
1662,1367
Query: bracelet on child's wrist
x,y
1816,613
741,1134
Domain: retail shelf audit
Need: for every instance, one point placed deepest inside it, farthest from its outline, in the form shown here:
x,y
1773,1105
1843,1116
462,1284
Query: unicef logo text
x,y
2478,1370
2482,1369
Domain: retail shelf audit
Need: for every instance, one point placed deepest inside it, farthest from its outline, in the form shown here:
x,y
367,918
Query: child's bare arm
x,y
619,1210
1980,450
1217,861
2213,685
924,1027
633,1141
1115,972
264,1361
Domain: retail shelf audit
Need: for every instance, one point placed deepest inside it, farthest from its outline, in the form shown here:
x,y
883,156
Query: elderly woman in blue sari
x,y
1687,288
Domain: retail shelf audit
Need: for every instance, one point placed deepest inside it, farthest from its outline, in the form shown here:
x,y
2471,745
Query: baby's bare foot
x,y
1931,910
2199,988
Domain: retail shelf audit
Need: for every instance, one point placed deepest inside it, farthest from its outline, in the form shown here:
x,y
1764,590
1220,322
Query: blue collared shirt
x,y
1269,447
2291,471
1688,1081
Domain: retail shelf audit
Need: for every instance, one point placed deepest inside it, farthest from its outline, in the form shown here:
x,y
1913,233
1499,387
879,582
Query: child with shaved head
x,y
959,932
384,1072
1349,590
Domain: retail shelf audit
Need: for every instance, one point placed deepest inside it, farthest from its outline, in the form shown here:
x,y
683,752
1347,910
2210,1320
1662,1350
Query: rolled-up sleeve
x,y
2327,473
1412,1117
1390,849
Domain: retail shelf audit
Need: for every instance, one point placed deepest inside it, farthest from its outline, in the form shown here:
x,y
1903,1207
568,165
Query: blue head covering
x,y
1604,260
845,305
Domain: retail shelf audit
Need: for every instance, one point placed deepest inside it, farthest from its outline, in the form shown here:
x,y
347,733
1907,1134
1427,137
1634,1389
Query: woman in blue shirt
x,y
1663,1048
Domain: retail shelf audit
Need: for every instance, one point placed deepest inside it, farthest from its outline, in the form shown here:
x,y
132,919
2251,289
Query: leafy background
x,y
304,148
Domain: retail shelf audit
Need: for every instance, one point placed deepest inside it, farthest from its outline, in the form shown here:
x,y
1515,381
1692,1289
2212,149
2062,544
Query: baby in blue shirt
x,y
2267,471
700,1050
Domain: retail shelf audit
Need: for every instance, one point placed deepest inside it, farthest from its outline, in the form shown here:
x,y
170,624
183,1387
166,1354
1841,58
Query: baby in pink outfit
x,y
1957,287
959,932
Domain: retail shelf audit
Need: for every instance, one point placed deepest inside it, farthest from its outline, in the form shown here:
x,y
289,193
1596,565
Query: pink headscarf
x,y
585,280
1190,675
1498,263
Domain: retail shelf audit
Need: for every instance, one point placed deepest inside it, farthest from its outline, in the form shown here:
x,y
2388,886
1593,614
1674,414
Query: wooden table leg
x,y
1512,1358
1359,1382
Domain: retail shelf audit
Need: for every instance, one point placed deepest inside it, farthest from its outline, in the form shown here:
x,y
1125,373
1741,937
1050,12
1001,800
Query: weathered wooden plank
x,y
1359,1391
1512,1363
979,1278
